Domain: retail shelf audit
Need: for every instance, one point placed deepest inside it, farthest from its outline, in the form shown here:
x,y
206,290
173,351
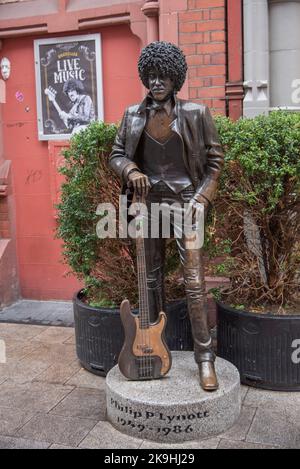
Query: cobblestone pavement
x,y
47,400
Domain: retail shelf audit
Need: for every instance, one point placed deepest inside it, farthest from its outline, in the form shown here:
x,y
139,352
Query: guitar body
x,y
145,354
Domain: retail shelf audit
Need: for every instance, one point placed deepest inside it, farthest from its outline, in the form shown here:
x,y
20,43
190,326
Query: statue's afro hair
x,y
166,58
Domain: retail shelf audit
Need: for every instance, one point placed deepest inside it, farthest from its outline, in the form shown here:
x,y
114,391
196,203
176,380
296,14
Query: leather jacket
x,y
202,154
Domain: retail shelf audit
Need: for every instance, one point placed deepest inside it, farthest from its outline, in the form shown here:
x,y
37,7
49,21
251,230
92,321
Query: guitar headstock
x,y
51,93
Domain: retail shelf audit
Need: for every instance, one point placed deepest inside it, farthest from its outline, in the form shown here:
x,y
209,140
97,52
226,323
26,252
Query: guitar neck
x,y
56,106
51,96
144,313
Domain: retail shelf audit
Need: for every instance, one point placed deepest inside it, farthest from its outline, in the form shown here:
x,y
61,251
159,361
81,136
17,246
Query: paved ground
x,y
48,401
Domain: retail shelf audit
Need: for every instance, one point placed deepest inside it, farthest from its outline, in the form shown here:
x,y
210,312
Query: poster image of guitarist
x,y
82,111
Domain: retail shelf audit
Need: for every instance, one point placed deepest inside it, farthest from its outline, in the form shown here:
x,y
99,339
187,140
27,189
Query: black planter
x,y
99,333
261,346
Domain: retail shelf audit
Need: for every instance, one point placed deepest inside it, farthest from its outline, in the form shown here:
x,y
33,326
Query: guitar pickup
x,y
145,349
148,350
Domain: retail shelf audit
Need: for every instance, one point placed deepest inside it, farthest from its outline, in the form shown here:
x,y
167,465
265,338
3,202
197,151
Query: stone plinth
x,y
175,408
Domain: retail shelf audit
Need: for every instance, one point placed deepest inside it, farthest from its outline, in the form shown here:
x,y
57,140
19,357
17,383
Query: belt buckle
x,y
188,189
160,186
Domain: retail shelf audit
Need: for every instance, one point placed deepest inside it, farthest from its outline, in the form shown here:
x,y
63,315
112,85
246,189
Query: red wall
x,y
39,255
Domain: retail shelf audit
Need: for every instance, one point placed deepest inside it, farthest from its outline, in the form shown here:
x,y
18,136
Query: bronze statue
x,y
167,150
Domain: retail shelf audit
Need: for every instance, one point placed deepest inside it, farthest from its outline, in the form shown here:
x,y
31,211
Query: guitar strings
x,y
146,307
147,325
146,311
142,363
144,302
150,370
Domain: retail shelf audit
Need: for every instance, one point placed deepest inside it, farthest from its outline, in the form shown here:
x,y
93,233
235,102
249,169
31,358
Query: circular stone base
x,y
174,408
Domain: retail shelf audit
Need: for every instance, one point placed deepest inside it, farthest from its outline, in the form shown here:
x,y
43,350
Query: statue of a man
x,y
167,150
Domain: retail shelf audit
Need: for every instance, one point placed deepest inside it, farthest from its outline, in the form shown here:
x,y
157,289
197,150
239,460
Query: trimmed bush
x,y
257,209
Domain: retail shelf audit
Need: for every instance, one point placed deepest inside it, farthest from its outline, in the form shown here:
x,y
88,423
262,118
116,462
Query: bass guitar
x,y
145,354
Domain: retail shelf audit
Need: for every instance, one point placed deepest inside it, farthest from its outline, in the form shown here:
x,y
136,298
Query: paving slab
x,y
56,313
85,379
210,443
58,373
71,340
7,442
244,391
19,349
55,446
37,397
271,427
57,429
55,335
104,436
231,444
241,427
20,331
54,353
281,401
3,373
11,420
23,371
83,403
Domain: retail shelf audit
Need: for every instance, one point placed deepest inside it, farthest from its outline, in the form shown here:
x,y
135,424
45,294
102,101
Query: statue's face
x,y
5,68
160,85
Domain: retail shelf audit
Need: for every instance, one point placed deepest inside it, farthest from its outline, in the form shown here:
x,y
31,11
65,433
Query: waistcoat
x,y
163,161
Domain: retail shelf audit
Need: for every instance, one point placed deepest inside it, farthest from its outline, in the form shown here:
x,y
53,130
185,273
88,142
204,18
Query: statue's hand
x,y
195,206
139,182
202,201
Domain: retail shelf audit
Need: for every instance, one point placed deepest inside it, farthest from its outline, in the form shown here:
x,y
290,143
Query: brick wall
x,y
202,38
4,219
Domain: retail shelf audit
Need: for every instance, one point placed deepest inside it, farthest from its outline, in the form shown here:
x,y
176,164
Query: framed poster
x,y
69,90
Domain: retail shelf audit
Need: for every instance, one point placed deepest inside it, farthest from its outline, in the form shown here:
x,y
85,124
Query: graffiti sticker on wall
x,y
68,85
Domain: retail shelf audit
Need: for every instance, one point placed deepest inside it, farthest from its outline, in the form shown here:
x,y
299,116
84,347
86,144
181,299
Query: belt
x,y
161,186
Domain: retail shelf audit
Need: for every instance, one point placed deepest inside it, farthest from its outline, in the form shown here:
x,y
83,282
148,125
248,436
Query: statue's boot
x,y
208,377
